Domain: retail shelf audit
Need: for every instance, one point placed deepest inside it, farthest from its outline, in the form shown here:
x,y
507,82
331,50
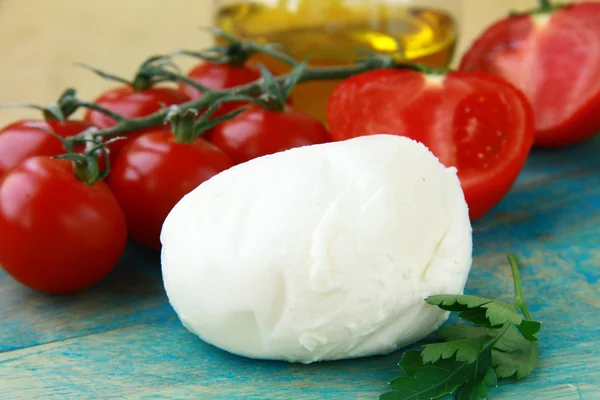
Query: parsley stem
x,y
520,302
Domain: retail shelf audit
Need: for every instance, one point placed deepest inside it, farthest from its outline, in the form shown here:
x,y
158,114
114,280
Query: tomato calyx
x,y
183,125
59,111
233,52
149,73
384,61
187,126
275,94
544,7
424,69
69,103
236,52
86,165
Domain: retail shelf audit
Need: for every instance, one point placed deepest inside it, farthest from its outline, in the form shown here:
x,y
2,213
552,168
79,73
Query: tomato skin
x,y
257,132
555,60
153,172
473,121
127,102
218,77
57,234
26,138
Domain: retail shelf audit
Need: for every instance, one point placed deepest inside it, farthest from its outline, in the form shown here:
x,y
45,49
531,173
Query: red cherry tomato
x,y
129,103
554,59
153,172
257,132
27,138
57,234
220,76
476,122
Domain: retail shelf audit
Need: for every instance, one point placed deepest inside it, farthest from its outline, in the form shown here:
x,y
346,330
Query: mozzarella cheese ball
x,y
321,252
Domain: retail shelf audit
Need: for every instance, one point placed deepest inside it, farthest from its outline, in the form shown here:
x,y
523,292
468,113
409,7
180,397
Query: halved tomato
x,y
554,58
473,121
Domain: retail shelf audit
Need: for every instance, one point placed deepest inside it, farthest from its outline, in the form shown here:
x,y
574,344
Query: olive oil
x,y
334,32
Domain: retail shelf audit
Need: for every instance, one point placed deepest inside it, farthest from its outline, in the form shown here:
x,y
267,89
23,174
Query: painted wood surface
x,y
121,340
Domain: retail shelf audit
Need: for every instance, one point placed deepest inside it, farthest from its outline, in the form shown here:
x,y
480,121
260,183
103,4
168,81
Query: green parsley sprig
x,y
500,343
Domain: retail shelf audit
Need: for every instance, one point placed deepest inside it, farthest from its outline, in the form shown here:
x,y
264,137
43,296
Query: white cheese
x,y
319,253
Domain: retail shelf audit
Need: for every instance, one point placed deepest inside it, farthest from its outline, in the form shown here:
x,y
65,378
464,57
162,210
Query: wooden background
x,y
41,39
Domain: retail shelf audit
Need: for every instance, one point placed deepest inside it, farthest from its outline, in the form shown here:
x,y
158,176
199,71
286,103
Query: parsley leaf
x,y
459,331
481,311
470,359
429,381
464,350
514,355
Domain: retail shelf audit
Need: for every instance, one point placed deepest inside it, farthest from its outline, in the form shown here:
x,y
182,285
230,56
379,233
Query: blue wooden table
x,y
121,339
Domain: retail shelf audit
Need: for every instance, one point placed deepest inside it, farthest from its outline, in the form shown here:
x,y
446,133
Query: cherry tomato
x,y
554,58
27,138
129,103
220,76
153,172
57,234
473,121
257,132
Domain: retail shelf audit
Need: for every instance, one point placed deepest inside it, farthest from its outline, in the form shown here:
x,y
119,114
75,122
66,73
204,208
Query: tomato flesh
x,y
555,60
473,121
153,172
57,234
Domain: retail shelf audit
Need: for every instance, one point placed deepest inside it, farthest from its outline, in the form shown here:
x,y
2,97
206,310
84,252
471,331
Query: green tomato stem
x,y
545,5
269,50
520,300
103,110
128,125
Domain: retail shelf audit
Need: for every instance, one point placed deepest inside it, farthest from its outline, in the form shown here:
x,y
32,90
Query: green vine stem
x,y
307,73
187,126
103,110
236,52
545,5
520,300
86,167
144,77
61,110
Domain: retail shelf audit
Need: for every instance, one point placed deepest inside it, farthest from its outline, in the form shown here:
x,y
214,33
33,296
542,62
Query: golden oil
x,y
333,32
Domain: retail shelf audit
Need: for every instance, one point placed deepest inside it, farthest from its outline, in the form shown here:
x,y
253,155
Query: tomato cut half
x,y
473,121
554,58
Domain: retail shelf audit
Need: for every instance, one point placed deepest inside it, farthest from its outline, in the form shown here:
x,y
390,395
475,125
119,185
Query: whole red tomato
x,y
28,138
474,121
153,172
57,234
218,77
554,58
258,131
132,104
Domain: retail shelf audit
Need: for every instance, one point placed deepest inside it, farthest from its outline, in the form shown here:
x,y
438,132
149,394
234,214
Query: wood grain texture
x,y
122,340
29,318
